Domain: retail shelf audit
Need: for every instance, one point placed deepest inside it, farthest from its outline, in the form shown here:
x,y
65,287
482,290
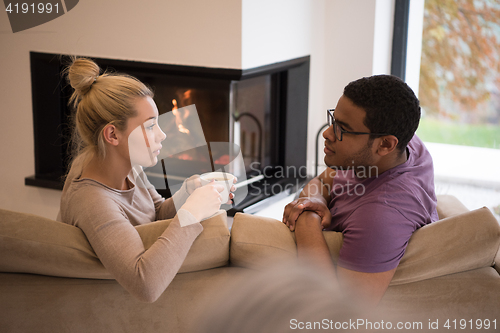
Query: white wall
x,y
349,44
190,32
358,40
346,40
280,30
382,36
274,31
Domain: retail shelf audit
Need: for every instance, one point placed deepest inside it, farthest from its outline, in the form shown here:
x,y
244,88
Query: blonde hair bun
x,y
82,73
99,100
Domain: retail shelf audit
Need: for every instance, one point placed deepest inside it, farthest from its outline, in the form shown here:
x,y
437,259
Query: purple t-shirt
x,y
378,215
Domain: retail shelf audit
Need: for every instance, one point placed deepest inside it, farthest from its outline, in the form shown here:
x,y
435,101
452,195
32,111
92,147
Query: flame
x,y
178,117
224,159
185,157
183,129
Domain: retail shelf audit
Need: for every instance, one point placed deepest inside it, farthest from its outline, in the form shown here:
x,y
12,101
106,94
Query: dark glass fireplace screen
x,y
259,113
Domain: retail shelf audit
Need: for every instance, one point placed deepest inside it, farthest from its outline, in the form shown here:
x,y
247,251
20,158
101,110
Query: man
x,y
378,189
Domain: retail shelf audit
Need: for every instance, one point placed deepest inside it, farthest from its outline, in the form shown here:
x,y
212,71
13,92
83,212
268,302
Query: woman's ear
x,y
387,145
110,134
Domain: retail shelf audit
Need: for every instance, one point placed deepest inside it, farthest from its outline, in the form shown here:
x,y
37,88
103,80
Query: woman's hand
x,y
204,201
231,190
192,183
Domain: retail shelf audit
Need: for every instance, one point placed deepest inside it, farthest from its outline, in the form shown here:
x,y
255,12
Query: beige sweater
x,y
107,217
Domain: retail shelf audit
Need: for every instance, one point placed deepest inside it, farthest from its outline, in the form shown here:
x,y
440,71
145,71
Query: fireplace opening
x,y
260,113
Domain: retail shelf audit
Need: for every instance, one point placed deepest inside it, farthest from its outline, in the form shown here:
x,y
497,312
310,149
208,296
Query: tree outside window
x,y
459,87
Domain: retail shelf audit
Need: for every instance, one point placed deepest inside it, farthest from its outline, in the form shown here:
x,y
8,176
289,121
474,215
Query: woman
x,y
105,193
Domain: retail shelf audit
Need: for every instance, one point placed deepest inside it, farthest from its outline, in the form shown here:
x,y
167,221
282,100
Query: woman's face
x,y
144,140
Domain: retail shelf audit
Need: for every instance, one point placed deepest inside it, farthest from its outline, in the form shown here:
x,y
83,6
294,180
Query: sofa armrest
x,y
448,205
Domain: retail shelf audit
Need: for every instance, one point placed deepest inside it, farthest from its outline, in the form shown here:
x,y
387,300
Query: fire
x,y
178,118
224,160
185,157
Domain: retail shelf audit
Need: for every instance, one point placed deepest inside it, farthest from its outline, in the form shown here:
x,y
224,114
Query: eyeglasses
x,y
339,131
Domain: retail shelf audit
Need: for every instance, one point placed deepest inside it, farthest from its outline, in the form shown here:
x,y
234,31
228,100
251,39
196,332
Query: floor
x,y
469,173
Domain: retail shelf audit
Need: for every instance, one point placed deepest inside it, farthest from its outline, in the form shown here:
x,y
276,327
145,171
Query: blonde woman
x,y
105,193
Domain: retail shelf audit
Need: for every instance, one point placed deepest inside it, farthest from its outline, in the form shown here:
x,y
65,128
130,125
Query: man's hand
x,y
295,208
314,197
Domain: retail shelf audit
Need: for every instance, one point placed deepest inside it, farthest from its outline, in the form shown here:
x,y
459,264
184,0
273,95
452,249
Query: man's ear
x,y
110,135
387,145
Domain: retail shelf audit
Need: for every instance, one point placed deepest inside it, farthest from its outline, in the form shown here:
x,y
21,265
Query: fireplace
x,y
260,113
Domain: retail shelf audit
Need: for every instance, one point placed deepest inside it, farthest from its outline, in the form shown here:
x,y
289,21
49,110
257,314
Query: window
x,y
448,51
458,70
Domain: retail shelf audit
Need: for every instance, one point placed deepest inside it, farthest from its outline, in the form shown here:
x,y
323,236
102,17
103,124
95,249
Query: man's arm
x,y
314,197
365,287
320,186
311,245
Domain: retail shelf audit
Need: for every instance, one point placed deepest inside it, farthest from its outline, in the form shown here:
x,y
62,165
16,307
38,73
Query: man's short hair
x,y
390,105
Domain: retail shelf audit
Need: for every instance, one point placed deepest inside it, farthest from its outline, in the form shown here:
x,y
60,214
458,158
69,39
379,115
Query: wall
x,y
279,30
190,32
346,40
274,31
358,43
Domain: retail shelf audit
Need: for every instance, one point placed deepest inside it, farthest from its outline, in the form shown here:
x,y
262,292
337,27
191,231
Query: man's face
x,y
354,150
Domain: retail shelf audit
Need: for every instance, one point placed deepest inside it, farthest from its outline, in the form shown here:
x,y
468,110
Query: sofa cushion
x,y
455,244
256,239
449,205
209,250
34,244
257,242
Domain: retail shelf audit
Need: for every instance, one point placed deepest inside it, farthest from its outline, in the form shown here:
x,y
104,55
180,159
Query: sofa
x,y
52,281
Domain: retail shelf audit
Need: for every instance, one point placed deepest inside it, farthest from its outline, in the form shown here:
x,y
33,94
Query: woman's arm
x,y
144,273
167,208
